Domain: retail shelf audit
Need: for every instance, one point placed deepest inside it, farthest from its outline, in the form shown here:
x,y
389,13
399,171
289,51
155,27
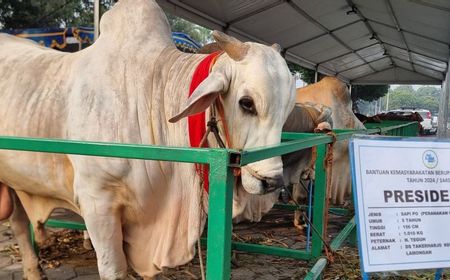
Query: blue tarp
x,y
57,37
184,41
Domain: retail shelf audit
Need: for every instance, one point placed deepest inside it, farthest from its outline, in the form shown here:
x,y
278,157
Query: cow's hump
x,y
135,22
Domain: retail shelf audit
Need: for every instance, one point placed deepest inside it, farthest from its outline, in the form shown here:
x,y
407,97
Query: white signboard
x,y
402,194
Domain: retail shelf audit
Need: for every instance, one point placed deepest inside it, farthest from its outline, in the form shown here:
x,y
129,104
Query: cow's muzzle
x,y
272,184
255,183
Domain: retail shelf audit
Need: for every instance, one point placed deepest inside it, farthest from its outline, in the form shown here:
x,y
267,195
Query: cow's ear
x,y
205,94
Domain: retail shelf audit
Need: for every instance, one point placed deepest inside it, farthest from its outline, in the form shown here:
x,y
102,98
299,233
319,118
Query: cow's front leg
x,y
87,241
298,195
20,226
103,221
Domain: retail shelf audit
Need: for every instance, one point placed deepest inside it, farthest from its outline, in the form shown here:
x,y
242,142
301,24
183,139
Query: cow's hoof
x,y
35,274
299,227
298,221
234,260
87,244
284,196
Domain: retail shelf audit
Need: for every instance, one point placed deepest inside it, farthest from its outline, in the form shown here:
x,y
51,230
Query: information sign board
x,y
402,200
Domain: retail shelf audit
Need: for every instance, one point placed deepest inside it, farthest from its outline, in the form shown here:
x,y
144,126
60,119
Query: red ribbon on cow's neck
x,y
197,123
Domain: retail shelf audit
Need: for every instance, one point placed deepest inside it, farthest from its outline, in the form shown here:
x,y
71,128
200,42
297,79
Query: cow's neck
x,y
172,215
168,91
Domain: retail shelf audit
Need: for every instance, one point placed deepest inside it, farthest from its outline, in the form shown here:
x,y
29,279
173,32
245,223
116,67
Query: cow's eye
x,y
247,105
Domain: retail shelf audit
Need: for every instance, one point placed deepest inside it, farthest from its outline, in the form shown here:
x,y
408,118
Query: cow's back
x,y
33,103
332,93
33,88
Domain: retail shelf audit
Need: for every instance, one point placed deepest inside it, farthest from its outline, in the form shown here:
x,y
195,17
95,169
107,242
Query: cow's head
x,y
257,91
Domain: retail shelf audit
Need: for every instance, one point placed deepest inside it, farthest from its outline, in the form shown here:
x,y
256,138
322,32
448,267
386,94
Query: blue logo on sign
x,y
430,159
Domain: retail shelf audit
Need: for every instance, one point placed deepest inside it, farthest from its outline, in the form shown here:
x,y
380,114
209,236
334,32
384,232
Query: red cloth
x,y
197,123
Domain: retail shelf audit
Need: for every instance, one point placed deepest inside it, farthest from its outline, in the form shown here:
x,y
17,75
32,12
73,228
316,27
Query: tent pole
x,y
443,105
96,19
387,101
316,74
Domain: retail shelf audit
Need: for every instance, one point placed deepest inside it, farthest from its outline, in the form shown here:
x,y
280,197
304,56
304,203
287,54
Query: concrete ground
x,y
11,266
276,230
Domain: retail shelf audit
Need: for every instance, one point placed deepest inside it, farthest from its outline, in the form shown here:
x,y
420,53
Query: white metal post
x,y
316,74
96,19
443,105
387,100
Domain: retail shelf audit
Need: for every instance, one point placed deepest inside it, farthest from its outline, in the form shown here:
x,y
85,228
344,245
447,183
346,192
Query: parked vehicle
x,y
434,123
427,125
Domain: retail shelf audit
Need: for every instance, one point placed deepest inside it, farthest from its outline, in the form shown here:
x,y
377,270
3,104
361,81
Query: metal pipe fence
x,y
222,161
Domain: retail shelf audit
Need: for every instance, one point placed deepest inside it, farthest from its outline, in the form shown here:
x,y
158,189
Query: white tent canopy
x,y
359,41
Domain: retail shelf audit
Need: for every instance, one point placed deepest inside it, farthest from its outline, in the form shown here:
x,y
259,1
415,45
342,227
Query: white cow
x,y
331,94
125,88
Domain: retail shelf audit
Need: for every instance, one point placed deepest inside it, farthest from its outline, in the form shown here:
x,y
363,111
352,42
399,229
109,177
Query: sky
x,y
415,87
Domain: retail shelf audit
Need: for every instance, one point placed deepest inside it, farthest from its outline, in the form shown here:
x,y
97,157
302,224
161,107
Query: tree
x,y
359,92
422,98
22,14
428,91
307,75
367,93
198,33
402,99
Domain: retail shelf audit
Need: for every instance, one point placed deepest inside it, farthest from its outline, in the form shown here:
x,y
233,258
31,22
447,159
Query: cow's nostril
x,y
271,184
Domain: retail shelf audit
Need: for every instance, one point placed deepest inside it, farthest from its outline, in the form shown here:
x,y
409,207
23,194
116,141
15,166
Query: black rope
x,y
212,124
308,221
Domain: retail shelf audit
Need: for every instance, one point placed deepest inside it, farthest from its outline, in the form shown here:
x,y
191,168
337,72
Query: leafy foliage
x,y
359,92
307,75
16,14
367,93
198,33
426,97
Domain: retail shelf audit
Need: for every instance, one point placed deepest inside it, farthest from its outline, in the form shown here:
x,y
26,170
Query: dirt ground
x,y
64,248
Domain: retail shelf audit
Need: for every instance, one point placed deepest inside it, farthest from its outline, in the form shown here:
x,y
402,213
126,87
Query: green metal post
x,y
343,235
272,250
221,185
410,131
218,254
353,238
33,239
65,224
415,129
317,269
320,190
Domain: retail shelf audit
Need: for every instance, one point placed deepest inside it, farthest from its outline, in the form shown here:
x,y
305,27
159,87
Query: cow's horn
x,y
232,46
209,48
276,47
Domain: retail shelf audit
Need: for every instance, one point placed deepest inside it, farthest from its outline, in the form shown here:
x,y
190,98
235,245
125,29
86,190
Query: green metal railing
x,y
221,162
